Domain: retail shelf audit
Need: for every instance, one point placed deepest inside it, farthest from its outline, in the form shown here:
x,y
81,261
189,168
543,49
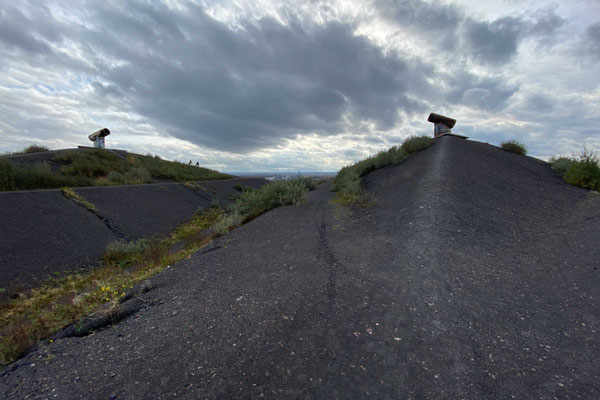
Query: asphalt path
x,y
474,274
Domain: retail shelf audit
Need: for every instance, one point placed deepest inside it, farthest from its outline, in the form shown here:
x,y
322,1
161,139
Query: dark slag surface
x,y
473,275
43,232
142,210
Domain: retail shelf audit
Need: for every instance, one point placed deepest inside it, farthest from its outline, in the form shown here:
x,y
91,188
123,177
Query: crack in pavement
x,y
105,220
325,254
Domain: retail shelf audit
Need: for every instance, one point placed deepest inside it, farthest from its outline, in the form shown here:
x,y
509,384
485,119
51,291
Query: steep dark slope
x,y
473,275
505,265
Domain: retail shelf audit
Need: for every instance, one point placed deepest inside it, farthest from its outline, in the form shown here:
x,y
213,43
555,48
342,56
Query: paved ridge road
x,y
473,275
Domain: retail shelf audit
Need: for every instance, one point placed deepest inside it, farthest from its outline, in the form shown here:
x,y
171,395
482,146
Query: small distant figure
x,y
197,164
190,163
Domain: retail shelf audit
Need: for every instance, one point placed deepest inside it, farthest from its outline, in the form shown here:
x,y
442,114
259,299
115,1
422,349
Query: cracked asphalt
x,y
474,274
44,233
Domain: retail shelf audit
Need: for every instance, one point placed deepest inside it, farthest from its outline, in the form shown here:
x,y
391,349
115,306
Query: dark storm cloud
x,y
439,23
484,93
539,103
493,43
232,89
13,32
260,82
31,38
451,30
591,41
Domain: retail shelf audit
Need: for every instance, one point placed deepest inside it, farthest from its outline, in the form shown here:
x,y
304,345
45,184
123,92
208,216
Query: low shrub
x,y
216,204
38,176
120,251
347,181
514,147
309,183
561,164
114,178
242,188
582,170
138,175
7,175
34,148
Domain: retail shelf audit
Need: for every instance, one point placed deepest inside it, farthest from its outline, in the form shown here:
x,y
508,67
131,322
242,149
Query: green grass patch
x,y
347,183
249,204
514,147
89,167
38,313
582,170
39,176
176,171
90,163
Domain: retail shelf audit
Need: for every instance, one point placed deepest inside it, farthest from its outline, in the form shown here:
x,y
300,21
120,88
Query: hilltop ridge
x,y
94,167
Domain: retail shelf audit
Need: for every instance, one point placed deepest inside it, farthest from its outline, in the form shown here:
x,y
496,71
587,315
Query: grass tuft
x,y
70,194
514,147
347,182
34,148
121,252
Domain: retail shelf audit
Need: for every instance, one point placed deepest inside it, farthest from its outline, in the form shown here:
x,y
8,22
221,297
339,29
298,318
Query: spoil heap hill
x,y
474,274
89,167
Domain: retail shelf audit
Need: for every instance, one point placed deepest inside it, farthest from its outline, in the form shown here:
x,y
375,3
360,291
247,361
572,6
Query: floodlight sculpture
x,y
441,125
98,138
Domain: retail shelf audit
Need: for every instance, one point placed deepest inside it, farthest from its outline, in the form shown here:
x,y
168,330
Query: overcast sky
x,y
274,85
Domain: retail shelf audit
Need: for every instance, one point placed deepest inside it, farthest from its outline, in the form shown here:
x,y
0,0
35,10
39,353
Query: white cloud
x,y
261,85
